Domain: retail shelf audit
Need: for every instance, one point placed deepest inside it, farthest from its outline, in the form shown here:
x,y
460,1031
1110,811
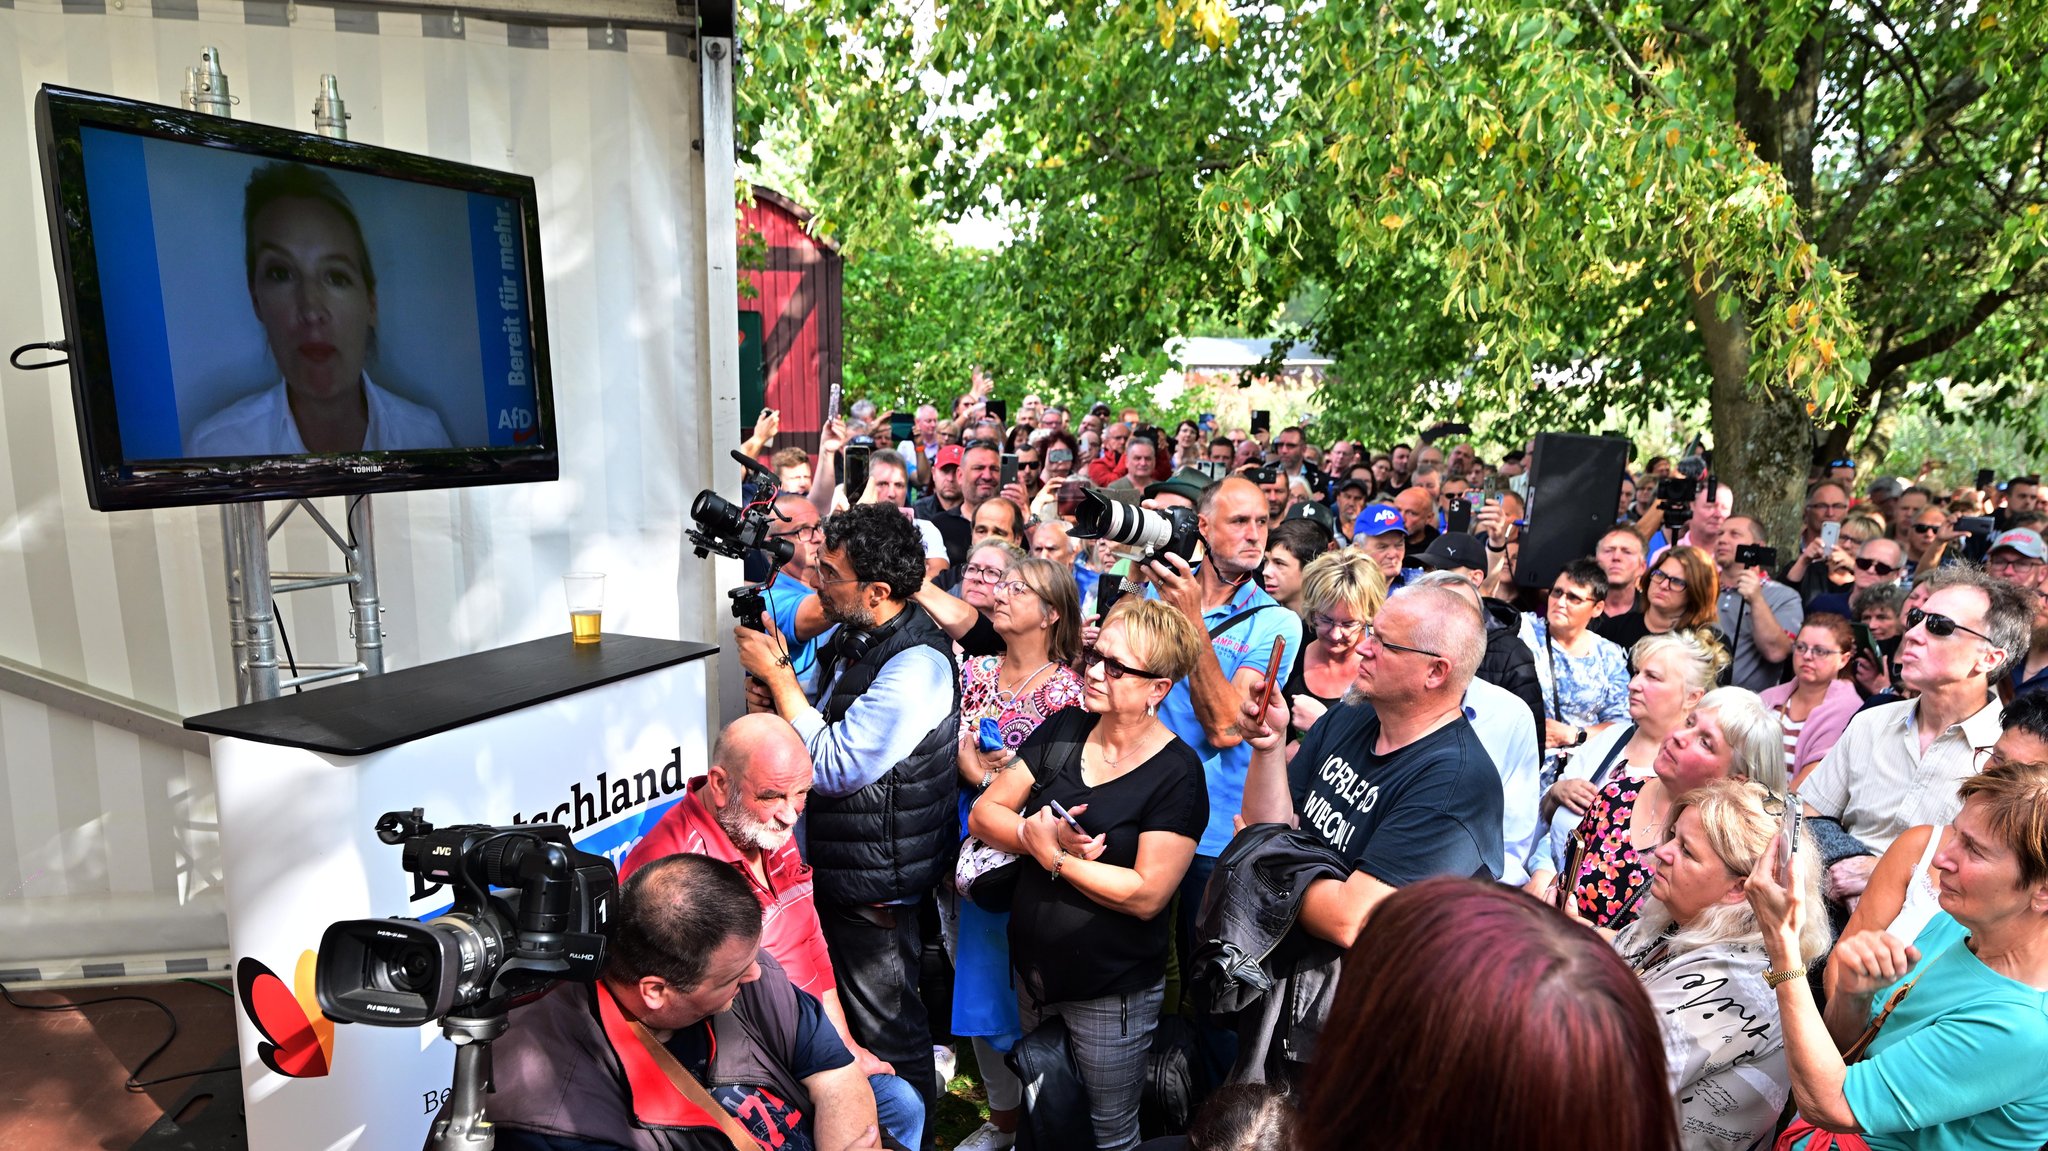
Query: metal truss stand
x,y
252,588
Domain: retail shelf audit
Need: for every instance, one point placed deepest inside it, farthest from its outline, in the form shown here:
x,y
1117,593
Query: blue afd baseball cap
x,y
1378,520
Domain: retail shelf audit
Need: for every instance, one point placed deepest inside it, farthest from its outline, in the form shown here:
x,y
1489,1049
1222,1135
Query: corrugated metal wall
x,y
107,844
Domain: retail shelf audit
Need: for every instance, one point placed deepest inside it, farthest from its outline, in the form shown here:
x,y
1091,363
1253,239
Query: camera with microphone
x,y
733,530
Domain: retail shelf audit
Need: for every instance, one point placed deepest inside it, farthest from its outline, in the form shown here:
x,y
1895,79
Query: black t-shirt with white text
x,y
1430,808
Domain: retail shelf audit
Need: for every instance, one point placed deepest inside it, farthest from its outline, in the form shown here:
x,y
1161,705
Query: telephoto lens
x,y
1148,532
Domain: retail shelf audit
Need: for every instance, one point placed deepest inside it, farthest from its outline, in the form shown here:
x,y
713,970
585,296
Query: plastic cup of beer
x,y
585,593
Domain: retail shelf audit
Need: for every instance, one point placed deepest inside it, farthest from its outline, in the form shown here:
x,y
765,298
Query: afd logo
x,y
298,1041
519,422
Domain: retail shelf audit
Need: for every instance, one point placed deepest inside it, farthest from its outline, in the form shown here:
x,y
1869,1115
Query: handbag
x,y
988,875
1829,1140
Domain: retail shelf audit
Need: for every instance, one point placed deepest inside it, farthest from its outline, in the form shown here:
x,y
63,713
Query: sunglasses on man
x,y
1877,566
1940,626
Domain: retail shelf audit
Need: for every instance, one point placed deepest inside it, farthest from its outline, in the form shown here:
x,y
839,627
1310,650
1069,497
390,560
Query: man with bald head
x,y
1418,512
1393,779
743,810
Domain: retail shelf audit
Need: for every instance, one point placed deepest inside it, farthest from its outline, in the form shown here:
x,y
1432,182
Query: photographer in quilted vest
x,y
881,826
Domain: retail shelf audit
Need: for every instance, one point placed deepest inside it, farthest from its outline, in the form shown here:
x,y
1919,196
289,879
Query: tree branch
x,y
1961,90
1627,61
1941,339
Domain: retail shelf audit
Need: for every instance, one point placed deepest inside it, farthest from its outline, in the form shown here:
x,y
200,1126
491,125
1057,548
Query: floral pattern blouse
x,y
1590,688
1054,689
1611,874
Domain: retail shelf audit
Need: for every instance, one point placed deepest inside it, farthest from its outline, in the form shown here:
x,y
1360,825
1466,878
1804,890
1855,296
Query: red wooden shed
x,y
799,286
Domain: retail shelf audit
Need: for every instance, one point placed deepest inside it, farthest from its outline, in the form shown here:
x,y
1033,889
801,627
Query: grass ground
x,y
964,1107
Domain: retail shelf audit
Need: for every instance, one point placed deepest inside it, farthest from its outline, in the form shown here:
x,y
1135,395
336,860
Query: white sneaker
x,y
947,1063
987,1138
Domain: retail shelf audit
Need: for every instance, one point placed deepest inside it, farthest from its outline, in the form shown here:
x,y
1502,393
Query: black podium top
x,y
380,711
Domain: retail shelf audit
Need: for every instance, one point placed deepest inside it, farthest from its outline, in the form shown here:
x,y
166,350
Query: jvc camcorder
x,y
529,910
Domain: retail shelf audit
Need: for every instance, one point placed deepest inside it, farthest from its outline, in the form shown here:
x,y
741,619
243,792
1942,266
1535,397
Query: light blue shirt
x,y
1957,1065
785,595
1501,720
911,695
1248,643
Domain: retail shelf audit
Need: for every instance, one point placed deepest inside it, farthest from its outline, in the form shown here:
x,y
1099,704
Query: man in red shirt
x,y
744,811
1108,467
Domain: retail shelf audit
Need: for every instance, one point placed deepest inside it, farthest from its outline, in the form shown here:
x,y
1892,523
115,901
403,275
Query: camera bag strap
x,y
1239,618
680,1077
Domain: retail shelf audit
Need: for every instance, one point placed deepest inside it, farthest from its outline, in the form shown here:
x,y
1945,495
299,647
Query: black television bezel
x,y
115,483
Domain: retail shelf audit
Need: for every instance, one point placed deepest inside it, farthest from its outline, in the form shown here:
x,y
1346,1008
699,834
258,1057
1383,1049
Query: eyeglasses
x,y
1929,529
1878,566
1015,587
1112,667
1817,506
1669,580
2011,563
1325,623
803,532
1572,597
1807,649
1374,636
981,572
1940,626
1841,463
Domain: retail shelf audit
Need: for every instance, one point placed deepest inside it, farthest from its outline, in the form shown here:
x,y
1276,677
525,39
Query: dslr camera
x,y
530,910
733,530
1149,532
1757,556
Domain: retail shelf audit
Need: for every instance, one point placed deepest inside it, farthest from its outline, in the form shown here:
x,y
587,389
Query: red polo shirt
x,y
789,929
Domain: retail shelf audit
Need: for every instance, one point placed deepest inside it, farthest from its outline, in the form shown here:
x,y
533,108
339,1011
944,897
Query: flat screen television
x,y
257,313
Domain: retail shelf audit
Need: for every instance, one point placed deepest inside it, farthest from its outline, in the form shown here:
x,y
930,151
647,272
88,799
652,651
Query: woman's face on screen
x,y
312,296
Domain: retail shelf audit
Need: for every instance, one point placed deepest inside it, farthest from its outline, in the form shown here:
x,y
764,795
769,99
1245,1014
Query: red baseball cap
x,y
949,456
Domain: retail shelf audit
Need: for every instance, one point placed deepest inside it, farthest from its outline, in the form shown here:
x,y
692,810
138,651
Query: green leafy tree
x,y
1573,212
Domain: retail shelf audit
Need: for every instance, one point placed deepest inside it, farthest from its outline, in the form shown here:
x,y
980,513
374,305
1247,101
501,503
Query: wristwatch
x,y
1579,738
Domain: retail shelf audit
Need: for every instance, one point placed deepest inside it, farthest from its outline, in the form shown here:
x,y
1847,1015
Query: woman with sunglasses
x,y
1816,703
1036,610
1341,592
1723,1049
1088,933
1584,677
1936,1042
1673,673
1606,869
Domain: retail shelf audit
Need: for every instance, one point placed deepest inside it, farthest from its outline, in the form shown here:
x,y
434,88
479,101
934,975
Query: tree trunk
x,y
1760,436
1881,425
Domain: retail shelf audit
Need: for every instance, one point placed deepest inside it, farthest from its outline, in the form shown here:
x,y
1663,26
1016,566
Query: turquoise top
x,y
1962,1062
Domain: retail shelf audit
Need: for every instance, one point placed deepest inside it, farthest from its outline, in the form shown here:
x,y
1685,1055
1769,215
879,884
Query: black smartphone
x,y
1009,468
1866,642
1262,421
856,467
1106,594
1757,556
1000,409
1975,525
1985,478
901,427
1458,515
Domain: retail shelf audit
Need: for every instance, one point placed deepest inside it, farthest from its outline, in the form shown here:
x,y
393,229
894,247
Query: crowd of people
x,y
1317,820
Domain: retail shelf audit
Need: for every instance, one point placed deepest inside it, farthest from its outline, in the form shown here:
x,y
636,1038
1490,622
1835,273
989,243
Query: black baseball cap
x,y
1454,550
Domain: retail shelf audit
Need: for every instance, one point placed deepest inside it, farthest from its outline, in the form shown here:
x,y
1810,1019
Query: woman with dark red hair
x,y
1471,1015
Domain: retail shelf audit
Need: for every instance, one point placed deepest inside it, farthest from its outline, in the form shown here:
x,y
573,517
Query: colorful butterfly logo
x,y
298,1040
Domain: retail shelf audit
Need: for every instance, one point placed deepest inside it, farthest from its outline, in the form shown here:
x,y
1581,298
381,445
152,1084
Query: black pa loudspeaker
x,y
1574,489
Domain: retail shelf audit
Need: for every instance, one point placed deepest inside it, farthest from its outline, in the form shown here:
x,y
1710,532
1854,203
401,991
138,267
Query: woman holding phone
x,y
1037,612
1340,592
1725,1053
1088,933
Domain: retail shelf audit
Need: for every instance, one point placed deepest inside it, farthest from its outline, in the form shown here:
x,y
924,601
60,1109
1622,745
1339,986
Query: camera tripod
x,y
460,1125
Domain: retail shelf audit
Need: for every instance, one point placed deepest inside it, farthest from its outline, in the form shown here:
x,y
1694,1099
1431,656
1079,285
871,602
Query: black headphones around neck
x,y
851,645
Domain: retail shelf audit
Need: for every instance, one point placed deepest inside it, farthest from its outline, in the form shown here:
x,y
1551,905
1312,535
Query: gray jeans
x,y
1111,1037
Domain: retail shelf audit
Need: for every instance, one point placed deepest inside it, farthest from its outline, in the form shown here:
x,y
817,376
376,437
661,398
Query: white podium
x,y
600,738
